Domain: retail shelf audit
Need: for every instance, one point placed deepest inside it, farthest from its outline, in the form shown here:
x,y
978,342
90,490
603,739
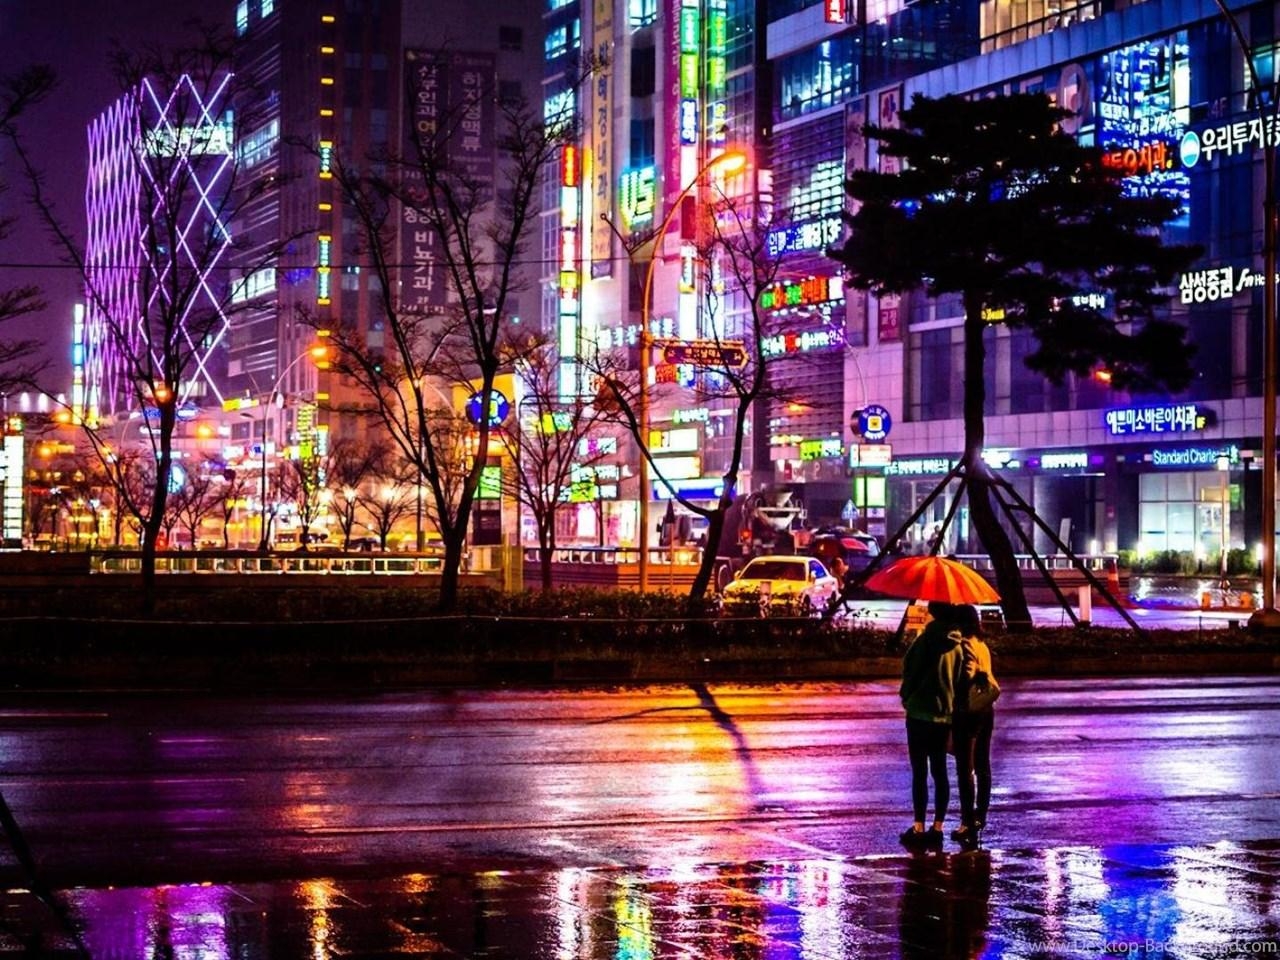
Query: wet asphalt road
x,y
144,789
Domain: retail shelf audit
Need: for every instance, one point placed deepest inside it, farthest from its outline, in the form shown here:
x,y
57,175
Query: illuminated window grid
x,y
115,232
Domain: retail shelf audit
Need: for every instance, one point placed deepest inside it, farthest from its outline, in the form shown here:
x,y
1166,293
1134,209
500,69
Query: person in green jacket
x,y
930,670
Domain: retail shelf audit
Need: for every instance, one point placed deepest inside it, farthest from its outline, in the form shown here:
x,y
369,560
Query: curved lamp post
x,y
1267,617
728,162
317,352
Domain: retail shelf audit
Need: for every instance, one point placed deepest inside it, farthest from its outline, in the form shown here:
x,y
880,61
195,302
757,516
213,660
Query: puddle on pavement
x,y
1071,902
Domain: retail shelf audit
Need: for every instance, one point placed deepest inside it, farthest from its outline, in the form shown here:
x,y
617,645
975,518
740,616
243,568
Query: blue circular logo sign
x,y
874,423
499,407
1189,149
177,478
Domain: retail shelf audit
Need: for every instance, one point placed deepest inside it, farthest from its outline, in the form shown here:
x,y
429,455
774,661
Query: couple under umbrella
x,y
947,692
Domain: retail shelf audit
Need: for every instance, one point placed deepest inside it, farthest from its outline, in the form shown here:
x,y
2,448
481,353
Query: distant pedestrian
x,y
973,726
930,671
839,569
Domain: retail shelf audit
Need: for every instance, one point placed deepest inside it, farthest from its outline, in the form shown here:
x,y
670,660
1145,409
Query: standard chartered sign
x,y
1194,456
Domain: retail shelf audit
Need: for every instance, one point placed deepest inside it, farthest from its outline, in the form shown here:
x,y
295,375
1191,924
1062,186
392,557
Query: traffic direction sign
x,y
705,353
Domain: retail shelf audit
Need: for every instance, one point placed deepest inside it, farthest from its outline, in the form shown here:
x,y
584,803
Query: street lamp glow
x,y
731,161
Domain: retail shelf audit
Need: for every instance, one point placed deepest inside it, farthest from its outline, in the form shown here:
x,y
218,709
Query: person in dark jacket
x,y
930,670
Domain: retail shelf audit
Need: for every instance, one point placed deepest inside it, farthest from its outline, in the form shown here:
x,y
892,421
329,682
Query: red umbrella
x,y
932,578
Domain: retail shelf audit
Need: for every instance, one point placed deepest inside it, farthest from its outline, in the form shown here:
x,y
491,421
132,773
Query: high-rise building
x,y
160,166
677,88
337,83
1160,85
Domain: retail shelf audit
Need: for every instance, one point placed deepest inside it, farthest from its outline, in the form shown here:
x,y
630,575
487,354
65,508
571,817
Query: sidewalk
x,y
1203,900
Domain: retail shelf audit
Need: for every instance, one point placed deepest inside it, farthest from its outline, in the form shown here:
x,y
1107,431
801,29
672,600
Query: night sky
x,y
74,37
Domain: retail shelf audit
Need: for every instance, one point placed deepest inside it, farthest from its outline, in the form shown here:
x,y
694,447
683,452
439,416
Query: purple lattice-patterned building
x,y
161,165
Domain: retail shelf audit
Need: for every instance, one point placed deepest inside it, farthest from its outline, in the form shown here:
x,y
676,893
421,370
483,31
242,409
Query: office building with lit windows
x,y
326,83
154,149
680,88
1161,85
1164,89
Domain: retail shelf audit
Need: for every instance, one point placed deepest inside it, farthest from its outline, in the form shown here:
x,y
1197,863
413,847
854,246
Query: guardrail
x,y
612,556
1094,562
216,562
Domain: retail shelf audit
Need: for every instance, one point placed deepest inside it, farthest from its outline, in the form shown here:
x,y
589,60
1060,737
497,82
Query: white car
x,y
788,585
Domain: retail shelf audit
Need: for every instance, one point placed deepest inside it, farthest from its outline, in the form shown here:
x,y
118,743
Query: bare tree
x,y
478,225
301,483
351,467
545,439
386,501
735,372
159,143
130,480
231,494
197,500
19,362
89,493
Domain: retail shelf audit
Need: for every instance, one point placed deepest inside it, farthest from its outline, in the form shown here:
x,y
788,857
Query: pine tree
x,y
993,202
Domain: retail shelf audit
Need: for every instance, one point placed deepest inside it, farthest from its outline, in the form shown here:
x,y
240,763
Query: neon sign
x,y
918,467
717,41
690,31
801,342
688,268
1166,418
1073,460
499,407
570,245
826,448
1231,138
803,293
835,11
814,235
1195,456
637,196
1139,159
210,139
1217,283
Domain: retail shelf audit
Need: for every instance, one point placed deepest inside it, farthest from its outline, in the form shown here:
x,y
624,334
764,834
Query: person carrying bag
x,y
973,726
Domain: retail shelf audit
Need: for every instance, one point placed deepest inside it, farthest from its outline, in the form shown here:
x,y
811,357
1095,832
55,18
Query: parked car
x,y
855,548
780,585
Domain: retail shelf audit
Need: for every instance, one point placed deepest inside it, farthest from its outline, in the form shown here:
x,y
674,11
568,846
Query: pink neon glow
x,y
122,179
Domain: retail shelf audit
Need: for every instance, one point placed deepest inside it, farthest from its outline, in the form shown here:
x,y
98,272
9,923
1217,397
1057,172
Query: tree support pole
x,y
846,589
1029,544
1088,574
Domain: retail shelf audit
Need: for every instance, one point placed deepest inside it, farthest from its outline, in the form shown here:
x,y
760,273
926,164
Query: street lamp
x,y
1267,617
730,161
317,352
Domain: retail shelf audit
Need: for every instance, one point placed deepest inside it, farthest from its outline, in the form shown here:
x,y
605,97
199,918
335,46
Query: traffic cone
x,y
1113,585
